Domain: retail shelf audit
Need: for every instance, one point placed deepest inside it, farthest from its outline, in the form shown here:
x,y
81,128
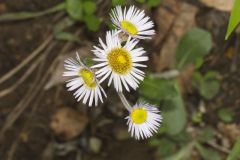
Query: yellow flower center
x,y
120,60
129,27
139,116
88,77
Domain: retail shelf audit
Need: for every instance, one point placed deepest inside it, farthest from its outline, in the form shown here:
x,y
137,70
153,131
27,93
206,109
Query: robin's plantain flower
x,y
119,63
143,121
132,22
85,81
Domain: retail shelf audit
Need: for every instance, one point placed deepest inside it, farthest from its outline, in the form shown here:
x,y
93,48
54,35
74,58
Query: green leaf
x,y
195,44
88,62
153,3
118,2
65,36
234,18
89,7
93,22
199,62
207,85
210,89
197,117
207,153
211,85
75,9
205,135
211,75
174,113
28,15
156,89
235,152
226,115
182,137
183,154
63,24
168,149
111,26
162,129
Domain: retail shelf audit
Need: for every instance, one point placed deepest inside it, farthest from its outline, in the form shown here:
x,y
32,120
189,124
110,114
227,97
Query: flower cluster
x,y
120,61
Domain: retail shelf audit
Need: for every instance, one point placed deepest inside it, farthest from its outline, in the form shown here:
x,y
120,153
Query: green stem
x,y
27,15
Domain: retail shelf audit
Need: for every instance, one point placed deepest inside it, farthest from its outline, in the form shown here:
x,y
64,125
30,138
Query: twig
x,y
24,103
22,79
11,152
13,149
27,60
217,147
21,106
28,15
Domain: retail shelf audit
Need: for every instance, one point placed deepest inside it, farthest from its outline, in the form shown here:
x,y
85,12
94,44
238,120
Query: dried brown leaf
x,y
3,7
164,18
185,79
232,131
184,20
68,123
223,5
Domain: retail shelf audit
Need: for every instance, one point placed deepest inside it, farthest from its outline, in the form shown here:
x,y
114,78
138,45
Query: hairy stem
x,y
124,101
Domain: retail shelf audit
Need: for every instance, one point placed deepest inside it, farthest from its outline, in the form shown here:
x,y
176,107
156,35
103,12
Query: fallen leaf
x,y
164,18
68,123
184,20
223,5
232,131
238,29
3,8
185,79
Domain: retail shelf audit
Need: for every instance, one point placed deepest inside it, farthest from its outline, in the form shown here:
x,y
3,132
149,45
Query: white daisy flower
x,y
119,62
143,121
132,22
87,85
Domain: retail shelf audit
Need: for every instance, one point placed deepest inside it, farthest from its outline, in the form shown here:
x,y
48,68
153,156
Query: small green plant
x,y
193,46
167,147
77,10
226,115
207,85
84,10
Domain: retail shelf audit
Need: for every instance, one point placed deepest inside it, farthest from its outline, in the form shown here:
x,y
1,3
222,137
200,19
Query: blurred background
x,y
193,76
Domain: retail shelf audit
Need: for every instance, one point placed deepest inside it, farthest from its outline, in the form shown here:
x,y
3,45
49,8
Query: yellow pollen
x,y
88,77
139,116
129,27
119,60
